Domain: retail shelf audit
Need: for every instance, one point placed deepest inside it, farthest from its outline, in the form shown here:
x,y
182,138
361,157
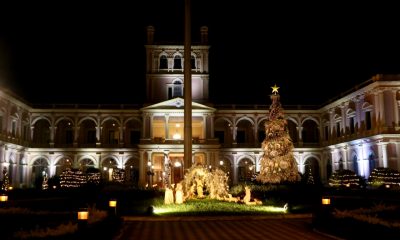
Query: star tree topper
x,y
275,89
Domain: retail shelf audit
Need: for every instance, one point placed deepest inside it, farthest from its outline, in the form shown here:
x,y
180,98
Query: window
x,y
193,62
261,136
91,136
241,137
169,92
220,135
14,128
135,137
338,129
326,133
368,124
352,130
69,136
163,62
25,133
177,91
113,137
177,62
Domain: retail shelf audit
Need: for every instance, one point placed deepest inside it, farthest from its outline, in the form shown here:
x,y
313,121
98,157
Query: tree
x,y
277,164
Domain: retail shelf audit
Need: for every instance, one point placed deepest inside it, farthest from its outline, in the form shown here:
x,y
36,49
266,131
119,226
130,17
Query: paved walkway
x,y
287,227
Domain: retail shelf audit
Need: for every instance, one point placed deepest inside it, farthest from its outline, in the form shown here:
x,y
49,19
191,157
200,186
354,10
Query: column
x,y
2,153
258,162
234,132
193,152
150,126
359,101
382,108
395,108
76,136
344,124
385,162
334,166
149,165
121,141
142,168
204,127
52,167
144,135
300,135
98,134
19,124
302,166
52,133
376,108
344,154
25,174
18,166
361,167
166,124
212,125
32,129
397,144
235,169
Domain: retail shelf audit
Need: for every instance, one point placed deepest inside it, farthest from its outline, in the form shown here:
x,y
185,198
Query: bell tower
x,y
164,69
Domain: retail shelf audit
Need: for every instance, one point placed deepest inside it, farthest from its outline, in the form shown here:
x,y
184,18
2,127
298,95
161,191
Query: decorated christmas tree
x,y
277,164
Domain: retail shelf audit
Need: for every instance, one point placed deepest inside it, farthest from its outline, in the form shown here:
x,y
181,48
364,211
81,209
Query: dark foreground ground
x,y
47,210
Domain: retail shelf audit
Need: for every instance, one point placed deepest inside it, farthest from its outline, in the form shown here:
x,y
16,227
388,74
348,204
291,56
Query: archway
x,y
246,170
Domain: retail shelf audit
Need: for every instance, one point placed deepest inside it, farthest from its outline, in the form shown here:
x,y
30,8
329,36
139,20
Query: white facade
x,y
359,131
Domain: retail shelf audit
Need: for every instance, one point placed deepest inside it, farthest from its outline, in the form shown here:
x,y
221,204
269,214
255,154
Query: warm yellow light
x,y
176,136
10,188
112,203
387,186
83,215
177,164
3,198
326,201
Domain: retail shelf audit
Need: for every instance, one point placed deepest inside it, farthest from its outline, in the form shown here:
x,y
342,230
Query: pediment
x,y
175,104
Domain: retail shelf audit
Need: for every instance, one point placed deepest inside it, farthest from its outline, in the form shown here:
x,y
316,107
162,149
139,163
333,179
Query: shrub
x,y
345,178
384,176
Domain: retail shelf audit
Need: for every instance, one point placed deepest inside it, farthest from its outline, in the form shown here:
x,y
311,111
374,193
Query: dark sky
x,y
59,52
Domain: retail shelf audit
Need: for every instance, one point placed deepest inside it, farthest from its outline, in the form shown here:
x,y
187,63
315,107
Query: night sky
x,y
58,52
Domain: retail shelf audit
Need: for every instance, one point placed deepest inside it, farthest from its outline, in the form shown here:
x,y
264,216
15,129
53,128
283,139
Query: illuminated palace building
x,y
358,131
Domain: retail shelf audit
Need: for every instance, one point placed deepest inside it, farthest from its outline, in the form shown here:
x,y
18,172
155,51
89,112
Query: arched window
x,y
310,133
368,121
175,90
163,62
193,62
177,62
178,89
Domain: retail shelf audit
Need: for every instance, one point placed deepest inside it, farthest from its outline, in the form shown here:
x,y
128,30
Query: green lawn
x,y
214,207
